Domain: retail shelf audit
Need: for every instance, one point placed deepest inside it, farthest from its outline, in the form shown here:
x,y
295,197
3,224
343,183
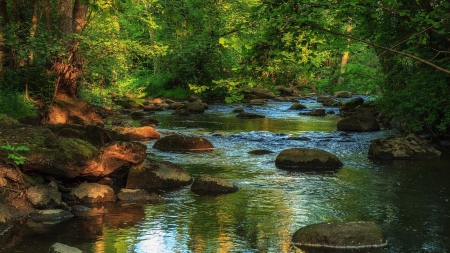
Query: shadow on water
x,y
408,199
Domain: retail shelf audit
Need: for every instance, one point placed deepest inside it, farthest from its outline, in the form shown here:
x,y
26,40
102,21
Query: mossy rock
x,y
345,235
307,160
183,143
209,185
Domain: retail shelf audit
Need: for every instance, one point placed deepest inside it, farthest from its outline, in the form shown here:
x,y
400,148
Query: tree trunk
x,y
3,49
344,59
48,16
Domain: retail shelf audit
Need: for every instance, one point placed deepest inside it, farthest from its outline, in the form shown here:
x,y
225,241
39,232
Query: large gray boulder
x,y
358,122
93,193
62,248
348,235
153,175
183,143
209,185
44,196
409,147
307,160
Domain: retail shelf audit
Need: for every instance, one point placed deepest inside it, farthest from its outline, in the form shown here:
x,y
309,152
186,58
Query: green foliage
x,y
14,153
14,104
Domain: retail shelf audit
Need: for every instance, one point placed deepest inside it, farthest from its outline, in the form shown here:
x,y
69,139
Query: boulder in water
x,y
62,248
51,216
307,160
409,147
358,122
183,143
248,115
316,112
209,185
345,235
93,193
297,106
153,175
44,196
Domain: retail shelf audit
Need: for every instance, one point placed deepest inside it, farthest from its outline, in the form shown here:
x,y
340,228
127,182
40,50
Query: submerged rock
x,y
410,147
307,159
52,216
62,248
93,193
316,112
260,152
248,115
136,195
152,174
209,185
348,235
183,143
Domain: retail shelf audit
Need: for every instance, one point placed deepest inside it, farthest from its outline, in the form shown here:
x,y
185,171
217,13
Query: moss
x,y
73,148
32,180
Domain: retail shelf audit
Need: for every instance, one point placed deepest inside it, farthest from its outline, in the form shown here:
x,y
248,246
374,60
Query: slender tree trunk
x,y
4,19
48,16
344,59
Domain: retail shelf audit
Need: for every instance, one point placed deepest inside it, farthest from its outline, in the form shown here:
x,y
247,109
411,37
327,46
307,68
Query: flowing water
x,y
408,199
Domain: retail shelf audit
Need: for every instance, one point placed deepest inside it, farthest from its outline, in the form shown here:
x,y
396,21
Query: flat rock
x,y
409,147
307,160
345,235
183,143
62,248
51,216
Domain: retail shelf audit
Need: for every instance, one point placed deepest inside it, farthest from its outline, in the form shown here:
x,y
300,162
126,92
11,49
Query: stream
x,y
408,199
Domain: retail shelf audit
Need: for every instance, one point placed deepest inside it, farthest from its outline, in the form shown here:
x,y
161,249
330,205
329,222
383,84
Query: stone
x,y
260,152
62,248
183,143
238,110
351,104
153,175
257,101
326,100
209,185
44,196
286,91
342,94
139,133
149,122
248,115
181,112
409,147
260,93
307,160
73,111
345,235
51,216
136,195
196,107
297,106
316,112
93,193
358,122
137,115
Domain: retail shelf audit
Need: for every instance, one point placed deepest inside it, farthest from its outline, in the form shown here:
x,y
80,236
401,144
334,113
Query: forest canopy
x,y
395,51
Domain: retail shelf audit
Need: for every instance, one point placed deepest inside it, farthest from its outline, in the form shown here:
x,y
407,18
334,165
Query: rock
x,y
181,112
5,214
154,108
137,115
342,94
247,115
345,235
62,248
139,133
93,134
136,195
208,185
326,100
307,159
175,105
183,143
358,122
238,110
130,103
351,104
196,107
257,102
260,93
51,216
297,106
410,147
260,152
73,111
44,196
316,112
149,122
93,193
286,91
154,175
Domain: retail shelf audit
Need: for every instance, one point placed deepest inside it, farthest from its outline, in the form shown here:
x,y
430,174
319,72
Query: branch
x,y
382,47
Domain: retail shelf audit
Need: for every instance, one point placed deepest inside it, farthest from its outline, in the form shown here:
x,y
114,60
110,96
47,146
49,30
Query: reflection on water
x,y
408,199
